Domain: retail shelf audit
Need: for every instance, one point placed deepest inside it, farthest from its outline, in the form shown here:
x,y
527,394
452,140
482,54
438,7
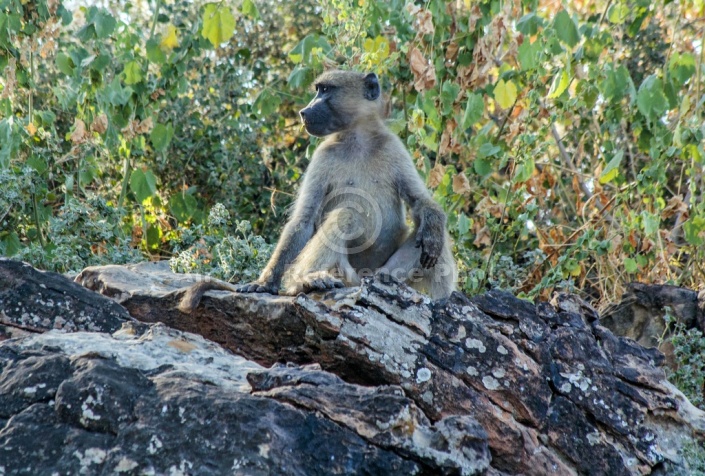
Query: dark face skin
x,y
319,117
337,95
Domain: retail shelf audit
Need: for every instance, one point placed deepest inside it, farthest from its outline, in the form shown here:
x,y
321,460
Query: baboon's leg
x,y
439,282
323,262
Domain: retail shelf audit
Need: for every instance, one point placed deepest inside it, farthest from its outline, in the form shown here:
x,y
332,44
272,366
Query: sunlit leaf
x,y
132,72
249,9
618,13
169,39
630,265
560,83
505,93
218,23
612,170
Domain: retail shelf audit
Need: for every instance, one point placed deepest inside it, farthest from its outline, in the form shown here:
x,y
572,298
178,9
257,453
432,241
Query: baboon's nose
x,y
303,113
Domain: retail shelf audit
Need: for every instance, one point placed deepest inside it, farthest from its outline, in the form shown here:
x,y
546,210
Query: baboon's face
x,y
342,99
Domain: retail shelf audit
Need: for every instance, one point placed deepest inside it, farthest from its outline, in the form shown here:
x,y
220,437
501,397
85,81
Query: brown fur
x,y
349,219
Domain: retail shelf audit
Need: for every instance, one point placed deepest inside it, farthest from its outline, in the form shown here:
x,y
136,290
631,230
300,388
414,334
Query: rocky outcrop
x,y
370,380
168,402
640,314
36,301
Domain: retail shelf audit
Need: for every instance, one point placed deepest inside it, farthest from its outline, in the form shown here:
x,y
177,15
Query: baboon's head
x,y
343,99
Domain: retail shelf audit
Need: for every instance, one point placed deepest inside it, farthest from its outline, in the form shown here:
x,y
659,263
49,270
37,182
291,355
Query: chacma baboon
x,y
349,218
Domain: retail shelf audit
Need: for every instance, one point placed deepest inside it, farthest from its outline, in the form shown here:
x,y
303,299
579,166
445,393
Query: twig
x,y
583,186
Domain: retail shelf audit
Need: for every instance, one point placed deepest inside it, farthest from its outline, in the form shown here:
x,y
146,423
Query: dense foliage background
x,y
564,139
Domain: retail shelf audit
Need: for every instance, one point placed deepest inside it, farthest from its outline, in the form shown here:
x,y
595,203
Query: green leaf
x,y
183,206
104,23
529,54
474,110
650,99
505,93
616,83
618,13
612,170
153,236
449,92
681,67
85,176
529,24
100,62
464,224
10,244
482,167
143,184
524,171
487,150
650,222
630,265
300,77
65,64
560,83
132,72
303,52
565,29
47,117
161,136
694,228
116,94
154,51
218,23
267,102
4,31
65,14
249,9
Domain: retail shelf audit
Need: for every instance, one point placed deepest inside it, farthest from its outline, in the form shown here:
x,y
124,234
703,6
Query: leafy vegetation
x,y
565,141
689,359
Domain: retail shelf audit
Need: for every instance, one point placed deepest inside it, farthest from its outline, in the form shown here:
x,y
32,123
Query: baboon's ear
x,y
371,87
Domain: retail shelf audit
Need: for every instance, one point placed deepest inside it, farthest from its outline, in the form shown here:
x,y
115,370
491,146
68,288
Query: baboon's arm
x,y
298,230
429,218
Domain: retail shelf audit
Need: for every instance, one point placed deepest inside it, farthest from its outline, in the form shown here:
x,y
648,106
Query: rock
x,y
169,402
554,391
640,315
35,301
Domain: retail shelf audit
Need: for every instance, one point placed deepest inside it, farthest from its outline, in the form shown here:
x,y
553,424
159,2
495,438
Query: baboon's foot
x,y
318,281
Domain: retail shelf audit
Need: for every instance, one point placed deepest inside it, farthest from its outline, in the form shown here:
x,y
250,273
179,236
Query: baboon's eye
x,y
322,88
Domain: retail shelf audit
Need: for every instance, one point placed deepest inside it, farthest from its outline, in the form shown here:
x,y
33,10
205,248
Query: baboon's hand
x,y
431,246
258,287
